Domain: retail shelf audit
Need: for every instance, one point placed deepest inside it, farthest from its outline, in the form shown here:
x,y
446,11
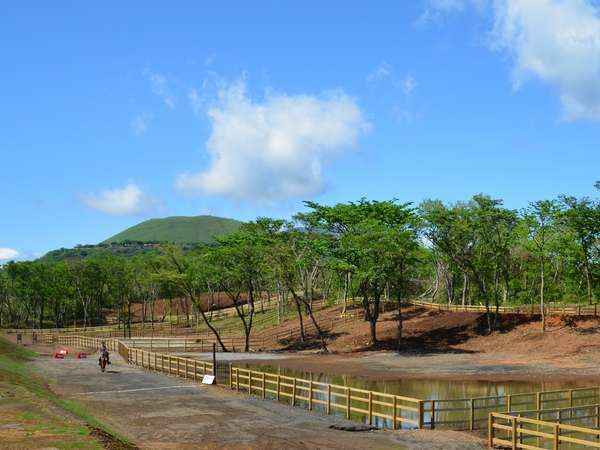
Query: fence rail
x,y
472,413
376,408
509,431
567,310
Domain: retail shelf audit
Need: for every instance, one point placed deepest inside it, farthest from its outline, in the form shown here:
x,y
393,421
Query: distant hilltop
x,y
179,229
146,237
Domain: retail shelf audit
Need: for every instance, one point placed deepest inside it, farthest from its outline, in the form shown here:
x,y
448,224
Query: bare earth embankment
x,y
441,344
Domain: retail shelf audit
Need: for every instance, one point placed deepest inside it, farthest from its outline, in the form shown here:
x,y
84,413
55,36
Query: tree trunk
x,y
588,280
542,295
346,288
464,289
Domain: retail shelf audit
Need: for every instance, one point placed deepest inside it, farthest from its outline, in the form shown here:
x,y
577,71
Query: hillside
x,y
180,229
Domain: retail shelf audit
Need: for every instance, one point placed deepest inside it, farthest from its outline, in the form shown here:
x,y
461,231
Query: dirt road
x,y
156,411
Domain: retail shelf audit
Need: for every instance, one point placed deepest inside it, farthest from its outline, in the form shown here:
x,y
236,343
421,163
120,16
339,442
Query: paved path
x,y
157,411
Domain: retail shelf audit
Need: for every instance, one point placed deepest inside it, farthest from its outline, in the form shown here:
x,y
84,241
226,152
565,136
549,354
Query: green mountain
x,y
180,229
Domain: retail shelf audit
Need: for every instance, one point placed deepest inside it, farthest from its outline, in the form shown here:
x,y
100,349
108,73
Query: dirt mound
x,y
428,331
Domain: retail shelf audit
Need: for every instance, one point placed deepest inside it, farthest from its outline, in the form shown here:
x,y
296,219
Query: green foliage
x,y
182,230
473,252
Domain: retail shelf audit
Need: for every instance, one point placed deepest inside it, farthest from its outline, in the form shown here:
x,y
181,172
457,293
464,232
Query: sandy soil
x,y
156,411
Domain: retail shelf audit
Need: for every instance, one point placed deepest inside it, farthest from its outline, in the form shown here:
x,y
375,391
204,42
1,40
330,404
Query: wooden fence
x,y
551,309
586,415
509,431
472,413
195,344
159,362
381,409
375,408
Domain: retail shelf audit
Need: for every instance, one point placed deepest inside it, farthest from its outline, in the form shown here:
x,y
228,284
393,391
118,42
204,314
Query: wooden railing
x,y
585,416
568,310
472,413
195,344
380,409
509,431
375,408
160,362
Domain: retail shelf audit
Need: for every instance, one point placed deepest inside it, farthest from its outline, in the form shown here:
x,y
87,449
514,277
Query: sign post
x,y
215,361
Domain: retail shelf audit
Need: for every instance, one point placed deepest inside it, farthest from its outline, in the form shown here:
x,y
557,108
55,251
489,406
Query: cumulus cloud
x,y
273,149
7,254
557,42
160,87
123,201
382,71
408,85
140,123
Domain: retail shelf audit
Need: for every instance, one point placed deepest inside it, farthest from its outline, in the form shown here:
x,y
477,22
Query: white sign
x,y
208,379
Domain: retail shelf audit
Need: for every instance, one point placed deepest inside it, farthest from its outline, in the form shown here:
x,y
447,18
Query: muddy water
x,y
420,388
447,410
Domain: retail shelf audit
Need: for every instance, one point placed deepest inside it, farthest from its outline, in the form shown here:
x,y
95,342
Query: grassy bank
x,y
36,418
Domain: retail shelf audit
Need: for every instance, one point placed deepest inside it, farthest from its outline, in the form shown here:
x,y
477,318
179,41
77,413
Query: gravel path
x,y
157,411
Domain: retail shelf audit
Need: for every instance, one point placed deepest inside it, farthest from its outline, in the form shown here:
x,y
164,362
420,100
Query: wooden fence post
x,y
491,430
348,402
237,379
421,414
264,390
195,370
278,386
556,437
432,421
471,415
329,399
310,392
394,413
570,398
249,382
294,392
370,408
513,424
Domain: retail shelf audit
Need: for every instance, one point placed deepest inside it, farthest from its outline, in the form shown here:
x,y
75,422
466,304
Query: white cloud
x,y
124,201
557,42
160,87
408,85
7,254
210,59
195,101
382,71
140,123
436,9
274,149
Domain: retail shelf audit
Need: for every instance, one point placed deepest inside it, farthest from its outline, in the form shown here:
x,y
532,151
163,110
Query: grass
x,y
39,418
178,229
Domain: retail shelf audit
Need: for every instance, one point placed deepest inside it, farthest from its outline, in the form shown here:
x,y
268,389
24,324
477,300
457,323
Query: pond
x,y
453,404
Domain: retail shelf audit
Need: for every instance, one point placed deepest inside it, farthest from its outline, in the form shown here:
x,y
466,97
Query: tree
x,y
364,237
240,263
540,218
582,217
187,274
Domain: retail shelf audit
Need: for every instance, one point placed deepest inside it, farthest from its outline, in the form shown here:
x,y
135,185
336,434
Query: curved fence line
x,y
376,408
567,310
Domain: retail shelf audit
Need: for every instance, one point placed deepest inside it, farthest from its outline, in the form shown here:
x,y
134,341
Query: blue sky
x,y
115,113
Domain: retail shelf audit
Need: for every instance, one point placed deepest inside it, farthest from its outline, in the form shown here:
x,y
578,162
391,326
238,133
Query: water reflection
x,y
455,404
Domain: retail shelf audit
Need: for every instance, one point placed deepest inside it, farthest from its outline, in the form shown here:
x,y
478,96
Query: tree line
x,y
370,252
